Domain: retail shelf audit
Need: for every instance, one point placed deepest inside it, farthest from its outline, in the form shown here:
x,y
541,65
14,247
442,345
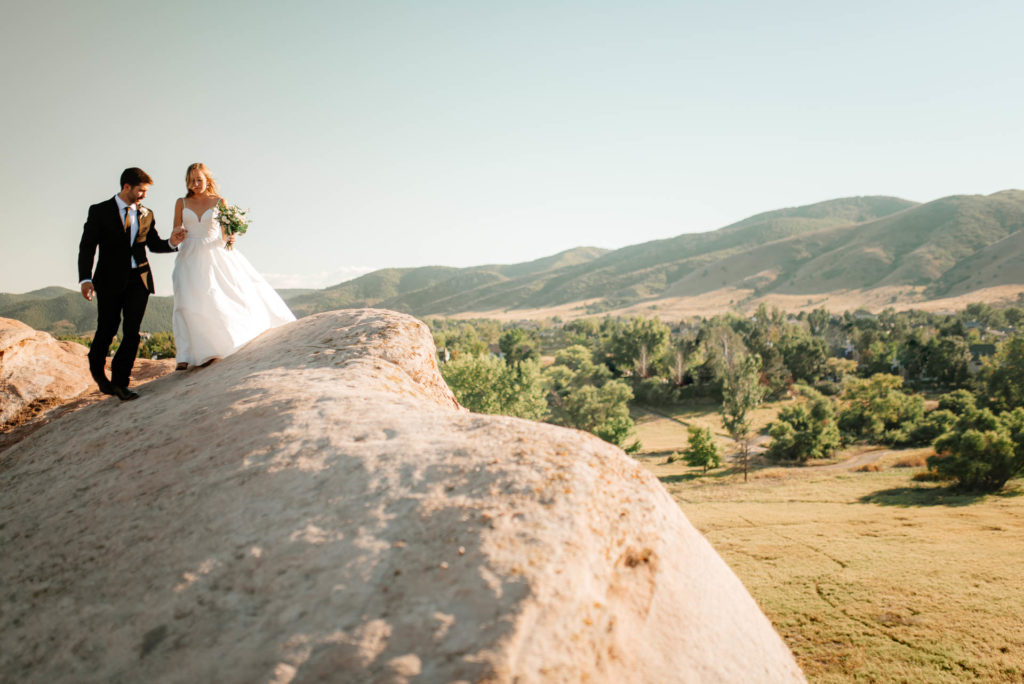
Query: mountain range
x,y
906,251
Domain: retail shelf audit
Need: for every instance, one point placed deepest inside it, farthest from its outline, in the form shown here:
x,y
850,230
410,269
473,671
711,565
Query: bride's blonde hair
x,y
211,185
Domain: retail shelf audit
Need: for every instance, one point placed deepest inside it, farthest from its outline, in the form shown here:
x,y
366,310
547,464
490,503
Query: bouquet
x,y
232,220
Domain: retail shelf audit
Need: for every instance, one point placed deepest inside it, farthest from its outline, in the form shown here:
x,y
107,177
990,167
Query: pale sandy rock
x,y
317,507
35,367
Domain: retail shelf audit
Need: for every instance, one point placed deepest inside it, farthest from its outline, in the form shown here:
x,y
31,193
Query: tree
x,y
517,345
958,402
983,451
638,343
804,431
603,411
818,321
1004,379
804,356
158,346
877,409
700,449
742,391
583,395
462,340
486,384
948,360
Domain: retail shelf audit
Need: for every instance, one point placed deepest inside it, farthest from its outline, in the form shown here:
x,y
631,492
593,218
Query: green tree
x,y
958,402
700,449
159,345
948,359
742,391
818,321
805,430
638,344
517,345
1004,378
486,384
804,356
462,340
583,395
983,451
877,409
603,411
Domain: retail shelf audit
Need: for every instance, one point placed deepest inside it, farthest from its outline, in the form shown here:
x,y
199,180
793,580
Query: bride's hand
x,y
231,239
178,236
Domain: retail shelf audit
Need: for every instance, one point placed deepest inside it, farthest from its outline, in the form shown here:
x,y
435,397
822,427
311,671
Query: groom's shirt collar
x,y
121,204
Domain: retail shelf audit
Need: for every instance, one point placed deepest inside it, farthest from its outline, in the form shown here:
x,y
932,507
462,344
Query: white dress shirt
x,y
133,211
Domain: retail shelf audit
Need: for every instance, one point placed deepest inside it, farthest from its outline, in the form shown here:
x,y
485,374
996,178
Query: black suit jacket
x,y
105,229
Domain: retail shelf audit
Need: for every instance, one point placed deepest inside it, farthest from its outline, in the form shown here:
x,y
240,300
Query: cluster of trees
x,y
979,448
158,345
859,375
573,391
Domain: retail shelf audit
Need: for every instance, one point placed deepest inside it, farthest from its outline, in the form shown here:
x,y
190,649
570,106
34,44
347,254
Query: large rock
x,y
35,368
317,507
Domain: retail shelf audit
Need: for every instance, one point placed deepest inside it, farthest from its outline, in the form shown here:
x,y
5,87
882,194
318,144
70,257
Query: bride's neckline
x,y
199,216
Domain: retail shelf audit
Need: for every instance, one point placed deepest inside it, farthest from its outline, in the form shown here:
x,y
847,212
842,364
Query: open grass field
x,y
868,576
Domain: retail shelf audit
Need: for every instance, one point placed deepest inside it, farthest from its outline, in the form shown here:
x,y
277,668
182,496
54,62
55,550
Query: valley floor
x,y
868,575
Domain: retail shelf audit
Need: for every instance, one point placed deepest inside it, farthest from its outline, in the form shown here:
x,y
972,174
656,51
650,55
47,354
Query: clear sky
x,y
364,135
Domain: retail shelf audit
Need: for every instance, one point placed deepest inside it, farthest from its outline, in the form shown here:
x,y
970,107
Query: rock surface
x,y
34,367
317,507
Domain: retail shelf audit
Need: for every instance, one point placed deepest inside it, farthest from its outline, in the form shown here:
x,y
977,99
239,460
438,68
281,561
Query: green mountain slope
x,y
60,311
951,246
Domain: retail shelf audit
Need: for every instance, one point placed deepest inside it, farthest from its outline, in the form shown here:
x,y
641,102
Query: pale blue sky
x,y
374,134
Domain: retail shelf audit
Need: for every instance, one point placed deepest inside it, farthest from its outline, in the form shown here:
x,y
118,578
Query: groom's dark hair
x,y
135,176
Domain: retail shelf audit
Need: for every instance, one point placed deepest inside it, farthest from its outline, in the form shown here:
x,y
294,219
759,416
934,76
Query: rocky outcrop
x,y
317,507
35,368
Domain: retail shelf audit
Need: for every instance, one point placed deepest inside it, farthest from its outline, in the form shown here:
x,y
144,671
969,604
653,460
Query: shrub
x,y
804,431
935,424
982,451
701,449
828,388
957,402
878,410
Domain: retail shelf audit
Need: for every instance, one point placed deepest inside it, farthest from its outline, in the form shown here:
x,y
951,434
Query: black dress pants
x,y
112,304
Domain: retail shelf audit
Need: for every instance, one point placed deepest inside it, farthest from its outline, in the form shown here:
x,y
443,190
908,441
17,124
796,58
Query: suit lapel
x,y
118,221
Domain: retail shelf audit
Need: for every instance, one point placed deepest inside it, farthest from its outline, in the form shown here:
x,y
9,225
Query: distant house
x,y
495,350
979,352
443,355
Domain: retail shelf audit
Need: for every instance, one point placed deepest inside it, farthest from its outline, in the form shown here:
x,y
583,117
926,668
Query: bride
x,y
220,301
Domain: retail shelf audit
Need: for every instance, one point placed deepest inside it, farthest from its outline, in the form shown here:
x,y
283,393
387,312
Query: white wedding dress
x,y
220,301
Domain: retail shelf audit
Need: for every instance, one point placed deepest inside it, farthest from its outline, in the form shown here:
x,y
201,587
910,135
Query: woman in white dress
x,y
220,301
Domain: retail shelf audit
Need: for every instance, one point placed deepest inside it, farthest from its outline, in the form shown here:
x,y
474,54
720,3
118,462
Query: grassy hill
x,y
946,248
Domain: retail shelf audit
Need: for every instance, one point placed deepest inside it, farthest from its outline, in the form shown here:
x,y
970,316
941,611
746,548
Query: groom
x,y
122,229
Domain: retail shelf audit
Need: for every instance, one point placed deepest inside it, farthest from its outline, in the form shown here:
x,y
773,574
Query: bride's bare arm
x,y
178,233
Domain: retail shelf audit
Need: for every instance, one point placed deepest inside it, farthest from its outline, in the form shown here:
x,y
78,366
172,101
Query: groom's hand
x,y
87,291
178,236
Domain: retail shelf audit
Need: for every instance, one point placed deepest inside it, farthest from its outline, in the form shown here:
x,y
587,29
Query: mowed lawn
x,y
869,576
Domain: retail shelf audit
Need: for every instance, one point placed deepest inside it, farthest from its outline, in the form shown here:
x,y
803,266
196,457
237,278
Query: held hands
x,y
87,291
178,236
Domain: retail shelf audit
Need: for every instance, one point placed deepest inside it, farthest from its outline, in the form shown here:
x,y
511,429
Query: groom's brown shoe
x,y
123,393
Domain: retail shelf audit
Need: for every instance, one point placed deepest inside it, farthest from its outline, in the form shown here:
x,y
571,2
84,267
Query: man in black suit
x,y
122,229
